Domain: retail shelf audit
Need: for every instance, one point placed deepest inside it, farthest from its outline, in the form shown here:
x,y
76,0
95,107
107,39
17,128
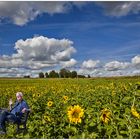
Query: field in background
x,y
106,107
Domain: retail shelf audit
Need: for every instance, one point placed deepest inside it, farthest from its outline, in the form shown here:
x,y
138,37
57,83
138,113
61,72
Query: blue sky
x,y
105,38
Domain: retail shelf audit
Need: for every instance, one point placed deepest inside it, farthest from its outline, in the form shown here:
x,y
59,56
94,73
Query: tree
x,y
53,74
41,75
68,74
88,76
46,75
80,76
73,74
64,73
27,76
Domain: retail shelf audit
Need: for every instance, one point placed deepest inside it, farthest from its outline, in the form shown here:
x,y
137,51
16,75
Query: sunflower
x,y
106,115
134,112
65,98
50,103
45,119
75,113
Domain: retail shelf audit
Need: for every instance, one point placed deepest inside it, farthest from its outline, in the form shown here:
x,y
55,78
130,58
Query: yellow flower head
x,y
46,118
134,112
65,98
106,115
75,113
50,103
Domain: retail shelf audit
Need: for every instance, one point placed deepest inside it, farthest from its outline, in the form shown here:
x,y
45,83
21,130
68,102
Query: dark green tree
x,y
88,76
73,74
41,75
53,74
46,75
62,73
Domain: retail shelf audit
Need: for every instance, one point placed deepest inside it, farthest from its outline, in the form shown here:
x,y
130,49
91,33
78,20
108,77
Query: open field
x,y
77,108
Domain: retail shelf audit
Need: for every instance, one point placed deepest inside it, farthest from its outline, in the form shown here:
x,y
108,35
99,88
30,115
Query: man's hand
x,y
10,102
23,110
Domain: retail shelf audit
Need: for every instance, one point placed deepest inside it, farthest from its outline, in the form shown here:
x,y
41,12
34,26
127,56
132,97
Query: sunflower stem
x,y
133,101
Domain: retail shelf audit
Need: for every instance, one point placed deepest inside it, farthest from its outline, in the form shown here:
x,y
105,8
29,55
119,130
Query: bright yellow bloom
x,y
75,114
50,103
134,112
106,115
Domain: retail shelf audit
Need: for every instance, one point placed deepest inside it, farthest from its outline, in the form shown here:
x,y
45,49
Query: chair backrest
x,y
25,116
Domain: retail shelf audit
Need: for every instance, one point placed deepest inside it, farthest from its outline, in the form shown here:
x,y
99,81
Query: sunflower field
x,y
76,108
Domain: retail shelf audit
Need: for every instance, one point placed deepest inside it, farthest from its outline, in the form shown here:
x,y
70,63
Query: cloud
x,y
136,62
39,52
68,64
91,72
116,65
95,68
20,12
90,64
136,72
119,9
90,67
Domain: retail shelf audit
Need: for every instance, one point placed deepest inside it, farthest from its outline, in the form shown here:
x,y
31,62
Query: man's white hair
x,y
19,94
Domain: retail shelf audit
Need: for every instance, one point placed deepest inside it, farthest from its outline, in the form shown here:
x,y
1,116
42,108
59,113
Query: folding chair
x,y
23,122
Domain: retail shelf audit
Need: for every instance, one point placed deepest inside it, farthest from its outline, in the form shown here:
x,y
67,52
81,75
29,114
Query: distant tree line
x,y
27,76
63,73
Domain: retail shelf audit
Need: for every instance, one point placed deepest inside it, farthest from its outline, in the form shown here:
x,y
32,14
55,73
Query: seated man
x,y
15,113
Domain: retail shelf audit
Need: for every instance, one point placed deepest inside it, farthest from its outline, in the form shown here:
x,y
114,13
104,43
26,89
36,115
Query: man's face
x,y
19,98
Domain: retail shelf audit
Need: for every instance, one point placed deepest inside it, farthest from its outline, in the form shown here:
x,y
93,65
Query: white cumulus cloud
x,y
136,60
89,64
39,52
116,65
68,64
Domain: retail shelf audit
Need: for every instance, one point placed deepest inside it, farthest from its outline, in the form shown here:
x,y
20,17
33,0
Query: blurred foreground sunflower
x,y
105,115
75,113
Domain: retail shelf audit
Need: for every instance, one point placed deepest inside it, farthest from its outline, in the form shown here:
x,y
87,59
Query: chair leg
x,y
25,126
17,128
25,129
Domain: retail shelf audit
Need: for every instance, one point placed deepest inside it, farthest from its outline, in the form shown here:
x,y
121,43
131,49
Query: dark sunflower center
x,y
75,114
104,116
